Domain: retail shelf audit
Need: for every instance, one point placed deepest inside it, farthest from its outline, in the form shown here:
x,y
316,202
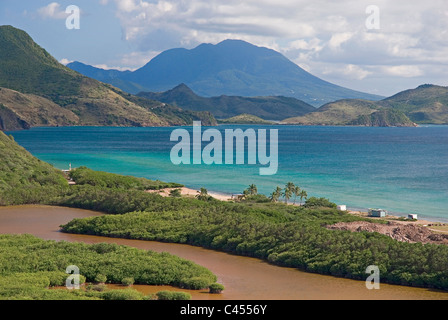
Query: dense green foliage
x,y
284,235
43,263
85,176
21,174
34,286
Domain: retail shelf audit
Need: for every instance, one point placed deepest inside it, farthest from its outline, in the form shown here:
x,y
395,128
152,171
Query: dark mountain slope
x,y
268,108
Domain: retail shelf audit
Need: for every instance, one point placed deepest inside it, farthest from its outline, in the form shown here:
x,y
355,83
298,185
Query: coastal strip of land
x,y
398,228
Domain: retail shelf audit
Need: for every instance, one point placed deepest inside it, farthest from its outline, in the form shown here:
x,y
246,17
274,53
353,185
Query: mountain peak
x,y
233,68
235,42
182,88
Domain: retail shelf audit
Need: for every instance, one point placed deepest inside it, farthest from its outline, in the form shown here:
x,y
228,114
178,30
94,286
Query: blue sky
x,y
328,38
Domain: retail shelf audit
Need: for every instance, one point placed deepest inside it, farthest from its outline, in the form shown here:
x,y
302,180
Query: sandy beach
x,y
191,193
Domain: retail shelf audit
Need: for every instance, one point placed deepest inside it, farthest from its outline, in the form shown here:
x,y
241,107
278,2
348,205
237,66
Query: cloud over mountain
x,y
324,37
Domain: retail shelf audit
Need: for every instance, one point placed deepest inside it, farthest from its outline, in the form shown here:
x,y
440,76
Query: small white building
x,y
377,213
342,207
413,216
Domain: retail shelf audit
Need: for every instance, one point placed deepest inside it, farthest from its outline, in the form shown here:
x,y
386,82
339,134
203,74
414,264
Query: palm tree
x,y
253,190
203,194
288,191
302,195
276,194
296,190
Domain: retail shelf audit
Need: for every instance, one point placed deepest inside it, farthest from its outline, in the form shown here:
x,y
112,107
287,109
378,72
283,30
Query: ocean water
x,y
402,170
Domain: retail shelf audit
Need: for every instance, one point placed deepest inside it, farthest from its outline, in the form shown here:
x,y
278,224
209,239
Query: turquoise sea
x,y
402,170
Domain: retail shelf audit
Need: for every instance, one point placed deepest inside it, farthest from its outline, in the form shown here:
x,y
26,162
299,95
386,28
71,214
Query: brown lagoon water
x,y
244,278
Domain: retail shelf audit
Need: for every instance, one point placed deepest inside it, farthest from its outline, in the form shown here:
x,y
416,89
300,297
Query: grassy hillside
x,y
427,104
18,168
30,110
174,114
335,113
268,108
245,119
384,118
27,68
25,179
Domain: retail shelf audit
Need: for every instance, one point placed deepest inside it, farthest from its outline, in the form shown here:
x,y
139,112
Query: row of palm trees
x,y
290,191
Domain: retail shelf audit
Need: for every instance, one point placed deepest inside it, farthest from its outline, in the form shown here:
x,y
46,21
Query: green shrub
x,y
176,193
216,288
127,281
122,294
196,283
173,295
100,278
314,202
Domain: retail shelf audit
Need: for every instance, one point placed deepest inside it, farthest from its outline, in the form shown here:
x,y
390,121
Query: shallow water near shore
x,y
244,278
402,170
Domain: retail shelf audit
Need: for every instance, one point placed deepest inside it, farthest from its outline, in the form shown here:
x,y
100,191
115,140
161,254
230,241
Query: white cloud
x,y
349,71
107,67
65,61
338,39
326,37
136,59
405,71
52,11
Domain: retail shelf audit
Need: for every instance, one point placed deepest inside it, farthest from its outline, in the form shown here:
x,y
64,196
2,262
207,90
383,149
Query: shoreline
x,y
189,192
427,221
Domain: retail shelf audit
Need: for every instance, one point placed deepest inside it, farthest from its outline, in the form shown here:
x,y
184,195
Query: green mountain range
x,y
427,104
43,92
267,108
36,90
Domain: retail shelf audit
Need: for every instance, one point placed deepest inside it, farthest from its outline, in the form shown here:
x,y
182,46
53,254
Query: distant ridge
x,y
426,104
231,67
267,108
